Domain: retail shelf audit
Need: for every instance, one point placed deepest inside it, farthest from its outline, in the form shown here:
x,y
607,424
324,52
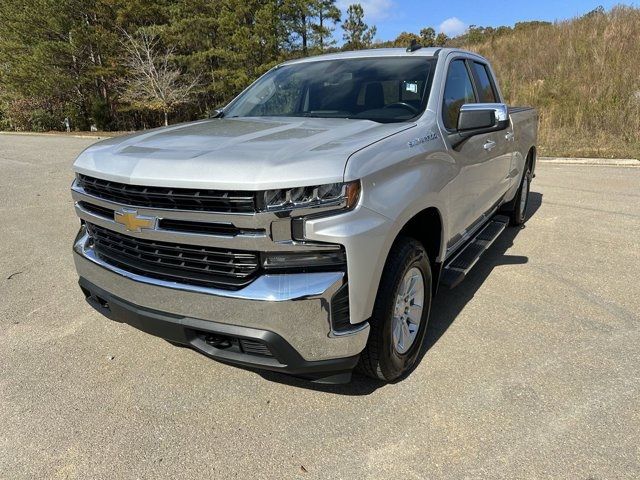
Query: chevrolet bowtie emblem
x,y
134,222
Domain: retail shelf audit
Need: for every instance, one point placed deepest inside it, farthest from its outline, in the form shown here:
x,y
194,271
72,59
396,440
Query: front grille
x,y
221,229
190,264
169,198
98,210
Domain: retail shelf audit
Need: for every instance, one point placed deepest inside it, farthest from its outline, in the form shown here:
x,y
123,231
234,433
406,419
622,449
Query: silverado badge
x,y
427,138
134,222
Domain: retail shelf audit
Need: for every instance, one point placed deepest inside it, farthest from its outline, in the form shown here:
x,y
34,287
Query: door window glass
x,y
485,88
458,90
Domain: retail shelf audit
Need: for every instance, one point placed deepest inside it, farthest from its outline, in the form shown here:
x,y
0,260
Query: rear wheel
x,y
518,207
401,312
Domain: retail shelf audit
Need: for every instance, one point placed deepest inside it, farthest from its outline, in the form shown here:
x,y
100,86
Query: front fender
x,y
390,198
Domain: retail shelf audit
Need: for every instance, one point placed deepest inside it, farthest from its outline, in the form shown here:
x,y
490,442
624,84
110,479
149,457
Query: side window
x,y
458,90
485,87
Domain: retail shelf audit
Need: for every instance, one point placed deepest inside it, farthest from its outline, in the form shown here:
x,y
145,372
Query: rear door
x,y
495,173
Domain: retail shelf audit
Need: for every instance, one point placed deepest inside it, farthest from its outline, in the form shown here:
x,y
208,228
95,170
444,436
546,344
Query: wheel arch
x,y
426,226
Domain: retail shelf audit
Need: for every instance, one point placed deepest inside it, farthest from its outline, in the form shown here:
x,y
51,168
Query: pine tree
x,y
43,61
326,14
357,34
297,16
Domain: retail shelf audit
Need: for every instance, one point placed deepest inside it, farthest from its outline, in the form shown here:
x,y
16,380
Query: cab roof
x,y
382,52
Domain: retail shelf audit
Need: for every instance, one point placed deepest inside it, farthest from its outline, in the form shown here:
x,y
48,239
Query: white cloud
x,y
452,27
374,10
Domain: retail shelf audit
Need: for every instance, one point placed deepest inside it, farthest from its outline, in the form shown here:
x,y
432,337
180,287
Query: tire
x,y
386,357
517,209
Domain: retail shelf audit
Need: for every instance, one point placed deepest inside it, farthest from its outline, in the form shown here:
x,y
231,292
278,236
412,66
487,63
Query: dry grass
x,y
582,75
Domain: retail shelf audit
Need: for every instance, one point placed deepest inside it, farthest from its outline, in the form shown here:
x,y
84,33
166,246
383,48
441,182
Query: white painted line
x,y
618,162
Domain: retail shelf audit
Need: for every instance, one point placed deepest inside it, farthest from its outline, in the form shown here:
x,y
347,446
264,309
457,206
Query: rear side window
x,y
486,91
458,90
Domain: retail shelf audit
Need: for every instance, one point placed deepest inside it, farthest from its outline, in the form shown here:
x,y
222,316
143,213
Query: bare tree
x,y
153,81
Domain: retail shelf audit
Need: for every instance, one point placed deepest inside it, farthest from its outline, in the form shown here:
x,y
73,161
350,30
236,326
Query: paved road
x,y
533,370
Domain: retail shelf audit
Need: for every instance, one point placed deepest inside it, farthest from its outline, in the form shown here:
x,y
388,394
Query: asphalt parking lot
x,y
533,369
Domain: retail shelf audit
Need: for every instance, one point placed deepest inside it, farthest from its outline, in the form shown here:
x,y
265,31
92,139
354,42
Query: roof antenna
x,y
414,46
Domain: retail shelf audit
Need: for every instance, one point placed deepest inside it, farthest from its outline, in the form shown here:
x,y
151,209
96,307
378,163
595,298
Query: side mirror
x,y
479,118
218,113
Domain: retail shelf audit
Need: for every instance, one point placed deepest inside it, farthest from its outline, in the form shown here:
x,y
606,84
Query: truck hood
x,y
235,153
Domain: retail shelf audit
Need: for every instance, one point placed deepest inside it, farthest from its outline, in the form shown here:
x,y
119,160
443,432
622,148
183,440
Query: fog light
x,y
218,341
293,260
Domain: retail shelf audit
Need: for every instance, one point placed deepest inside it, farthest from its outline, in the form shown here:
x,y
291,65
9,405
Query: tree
x,y
357,34
252,37
310,23
327,15
40,60
441,40
153,82
404,39
297,16
428,37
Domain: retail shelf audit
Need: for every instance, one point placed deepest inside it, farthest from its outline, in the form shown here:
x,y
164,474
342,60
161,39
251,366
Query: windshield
x,y
379,89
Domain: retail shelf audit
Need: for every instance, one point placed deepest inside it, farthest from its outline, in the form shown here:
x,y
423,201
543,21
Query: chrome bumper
x,y
294,306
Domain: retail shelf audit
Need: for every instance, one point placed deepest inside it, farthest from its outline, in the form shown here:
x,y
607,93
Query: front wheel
x,y
400,314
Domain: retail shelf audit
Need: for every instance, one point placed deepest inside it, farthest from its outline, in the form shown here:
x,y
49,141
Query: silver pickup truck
x,y
306,227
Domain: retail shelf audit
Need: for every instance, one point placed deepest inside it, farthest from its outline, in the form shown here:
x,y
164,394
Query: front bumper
x,y
289,313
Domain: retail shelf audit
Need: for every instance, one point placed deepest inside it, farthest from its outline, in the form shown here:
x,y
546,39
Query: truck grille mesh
x,y
169,198
194,265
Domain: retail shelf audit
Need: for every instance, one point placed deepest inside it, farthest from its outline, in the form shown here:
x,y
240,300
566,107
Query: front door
x,y
482,161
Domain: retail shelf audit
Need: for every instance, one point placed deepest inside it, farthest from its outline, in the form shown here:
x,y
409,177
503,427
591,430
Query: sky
x,y
452,17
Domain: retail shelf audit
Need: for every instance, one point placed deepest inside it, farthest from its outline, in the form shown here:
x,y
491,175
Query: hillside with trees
x,y
132,64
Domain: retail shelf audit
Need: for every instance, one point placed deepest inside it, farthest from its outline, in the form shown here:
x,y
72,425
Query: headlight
x,y
341,195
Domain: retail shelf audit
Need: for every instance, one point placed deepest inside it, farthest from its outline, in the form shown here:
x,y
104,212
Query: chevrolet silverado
x,y
305,227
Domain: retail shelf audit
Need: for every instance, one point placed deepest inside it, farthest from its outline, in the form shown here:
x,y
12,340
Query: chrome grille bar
x,y
169,198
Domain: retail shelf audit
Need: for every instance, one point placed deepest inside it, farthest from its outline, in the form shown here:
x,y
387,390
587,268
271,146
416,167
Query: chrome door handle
x,y
509,136
489,145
